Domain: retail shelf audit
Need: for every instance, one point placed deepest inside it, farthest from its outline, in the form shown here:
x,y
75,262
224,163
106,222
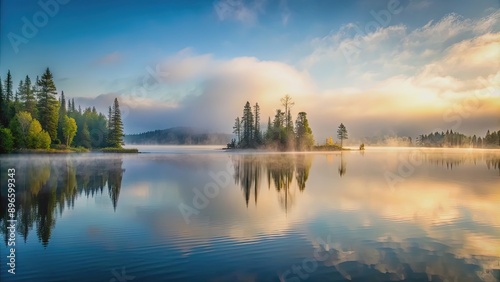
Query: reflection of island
x,y
45,187
281,171
343,165
451,161
492,163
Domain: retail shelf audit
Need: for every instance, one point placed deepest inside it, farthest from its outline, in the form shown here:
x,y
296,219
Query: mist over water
x,y
385,214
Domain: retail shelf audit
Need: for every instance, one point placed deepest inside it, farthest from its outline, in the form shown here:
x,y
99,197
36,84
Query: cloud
x,y
239,10
403,49
414,76
185,65
441,75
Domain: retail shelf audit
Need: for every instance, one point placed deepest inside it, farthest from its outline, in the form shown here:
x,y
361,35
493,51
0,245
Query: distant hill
x,y
178,136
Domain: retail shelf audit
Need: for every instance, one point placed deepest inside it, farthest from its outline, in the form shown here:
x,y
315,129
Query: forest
x,y
456,139
35,118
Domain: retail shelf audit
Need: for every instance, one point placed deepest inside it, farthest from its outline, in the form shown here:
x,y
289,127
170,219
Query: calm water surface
x,y
201,214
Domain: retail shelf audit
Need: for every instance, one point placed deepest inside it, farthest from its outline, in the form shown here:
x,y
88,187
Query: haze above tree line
x,y
33,119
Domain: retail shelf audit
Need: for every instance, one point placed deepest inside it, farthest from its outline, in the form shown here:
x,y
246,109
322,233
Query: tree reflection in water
x,y
46,186
286,172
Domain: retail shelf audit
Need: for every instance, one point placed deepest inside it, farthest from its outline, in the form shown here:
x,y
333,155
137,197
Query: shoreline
x,y
73,151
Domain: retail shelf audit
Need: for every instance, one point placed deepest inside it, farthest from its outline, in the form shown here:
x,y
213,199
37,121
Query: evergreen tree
x,y
116,131
278,134
3,121
8,98
16,105
110,126
304,137
290,134
62,117
48,105
279,119
247,140
237,129
269,130
257,133
342,134
28,99
84,136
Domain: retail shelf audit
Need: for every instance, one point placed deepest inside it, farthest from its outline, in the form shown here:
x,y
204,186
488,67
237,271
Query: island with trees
x,y
34,120
281,133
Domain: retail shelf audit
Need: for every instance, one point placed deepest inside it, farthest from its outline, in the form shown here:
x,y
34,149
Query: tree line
x,y
281,132
34,117
456,139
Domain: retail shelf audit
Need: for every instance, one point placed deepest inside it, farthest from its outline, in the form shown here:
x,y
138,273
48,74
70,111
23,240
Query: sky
x,y
381,67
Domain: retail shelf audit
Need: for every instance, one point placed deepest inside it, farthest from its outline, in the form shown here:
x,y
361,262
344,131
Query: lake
x,y
203,214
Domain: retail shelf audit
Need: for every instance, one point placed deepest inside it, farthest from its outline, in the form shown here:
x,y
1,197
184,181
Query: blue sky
x,y
218,54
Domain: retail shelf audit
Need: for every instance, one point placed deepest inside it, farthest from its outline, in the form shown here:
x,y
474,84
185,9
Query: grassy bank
x,y
63,150
51,151
118,150
329,148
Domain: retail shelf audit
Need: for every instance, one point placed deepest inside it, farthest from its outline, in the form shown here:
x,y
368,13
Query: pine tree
x,y
3,121
342,134
8,98
116,131
248,124
48,105
269,130
110,127
62,117
28,99
8,88
237,129
16,106
304,137
84,136
257,133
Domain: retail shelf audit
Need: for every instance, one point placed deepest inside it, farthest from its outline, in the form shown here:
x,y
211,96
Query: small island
x,y
281,133
34,120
